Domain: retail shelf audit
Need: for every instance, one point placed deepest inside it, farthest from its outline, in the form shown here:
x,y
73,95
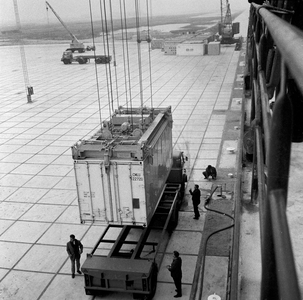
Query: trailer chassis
x,y
126,267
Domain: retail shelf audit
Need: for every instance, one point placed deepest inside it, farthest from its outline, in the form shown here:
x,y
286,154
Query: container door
x,y
137,183
90,189
128,193
102,210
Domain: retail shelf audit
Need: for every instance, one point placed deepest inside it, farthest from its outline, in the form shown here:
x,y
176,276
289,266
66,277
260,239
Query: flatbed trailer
x,y
132,262
68,57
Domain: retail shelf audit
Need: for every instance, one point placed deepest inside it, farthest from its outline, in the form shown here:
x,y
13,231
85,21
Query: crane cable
x,y
139,56
149,54
106,52
128,66
96,69
114,51
123,53
109,66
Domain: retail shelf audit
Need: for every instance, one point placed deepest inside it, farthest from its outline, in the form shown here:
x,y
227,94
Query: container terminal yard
x,y
47,143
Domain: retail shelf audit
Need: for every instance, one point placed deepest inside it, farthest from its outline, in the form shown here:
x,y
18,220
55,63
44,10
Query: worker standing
x,y
176,273
184,180
74,249
196,194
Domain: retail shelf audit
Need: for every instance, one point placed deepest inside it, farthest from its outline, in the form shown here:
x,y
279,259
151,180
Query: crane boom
x,y
75,42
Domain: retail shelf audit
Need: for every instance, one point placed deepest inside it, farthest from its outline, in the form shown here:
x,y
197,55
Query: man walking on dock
x,y
74,249
196,194
176,273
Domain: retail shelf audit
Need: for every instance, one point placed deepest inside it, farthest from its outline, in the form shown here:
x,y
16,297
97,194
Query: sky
x,y
34,11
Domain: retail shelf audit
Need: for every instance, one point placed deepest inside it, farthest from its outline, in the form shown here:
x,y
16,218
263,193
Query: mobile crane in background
x,y
227,29
75,45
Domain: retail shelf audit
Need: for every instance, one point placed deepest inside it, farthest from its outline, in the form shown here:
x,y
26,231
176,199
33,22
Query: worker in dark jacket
x,y
176,273
196,194
210,171
184,180
74,249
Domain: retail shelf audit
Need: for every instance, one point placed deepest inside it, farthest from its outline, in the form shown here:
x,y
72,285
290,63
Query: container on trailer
x,y
121,171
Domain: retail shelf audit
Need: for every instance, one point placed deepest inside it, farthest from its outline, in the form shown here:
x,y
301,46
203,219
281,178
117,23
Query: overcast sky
x,y
34,11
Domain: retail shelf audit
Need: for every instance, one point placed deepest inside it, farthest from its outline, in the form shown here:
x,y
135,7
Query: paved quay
x,y
38,208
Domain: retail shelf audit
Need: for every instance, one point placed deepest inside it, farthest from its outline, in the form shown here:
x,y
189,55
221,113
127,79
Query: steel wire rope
x,y
109,67
128,66
139,56
96,69
149,54
105,53
123,54
114,51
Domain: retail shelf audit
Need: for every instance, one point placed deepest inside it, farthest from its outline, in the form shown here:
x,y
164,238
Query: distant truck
x,y
68,57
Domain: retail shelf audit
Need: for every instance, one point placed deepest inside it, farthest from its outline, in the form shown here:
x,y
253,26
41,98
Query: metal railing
x,y
275,78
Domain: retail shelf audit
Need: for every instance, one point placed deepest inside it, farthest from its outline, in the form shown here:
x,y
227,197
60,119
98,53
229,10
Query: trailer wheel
x,y
98,60
82,60
154,279
173,222
88,292
93,293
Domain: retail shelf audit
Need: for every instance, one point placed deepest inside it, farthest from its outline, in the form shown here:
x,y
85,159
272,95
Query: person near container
x,y
74,249
210,171
176,273
196,194
184,180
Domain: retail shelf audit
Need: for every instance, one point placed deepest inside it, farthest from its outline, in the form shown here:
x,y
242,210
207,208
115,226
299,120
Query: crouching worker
x,y
210,171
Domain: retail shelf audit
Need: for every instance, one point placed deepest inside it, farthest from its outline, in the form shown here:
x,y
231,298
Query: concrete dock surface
x,y
38,209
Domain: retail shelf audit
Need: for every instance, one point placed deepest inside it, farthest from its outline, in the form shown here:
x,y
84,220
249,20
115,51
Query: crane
x,y
75,45
227,28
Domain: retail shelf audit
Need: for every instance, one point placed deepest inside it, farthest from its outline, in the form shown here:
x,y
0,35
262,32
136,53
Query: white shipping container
x,y
117,196
196,48
120,179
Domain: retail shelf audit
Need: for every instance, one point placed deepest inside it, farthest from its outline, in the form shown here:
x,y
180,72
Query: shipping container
x,y
121,171
191,48
214,48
